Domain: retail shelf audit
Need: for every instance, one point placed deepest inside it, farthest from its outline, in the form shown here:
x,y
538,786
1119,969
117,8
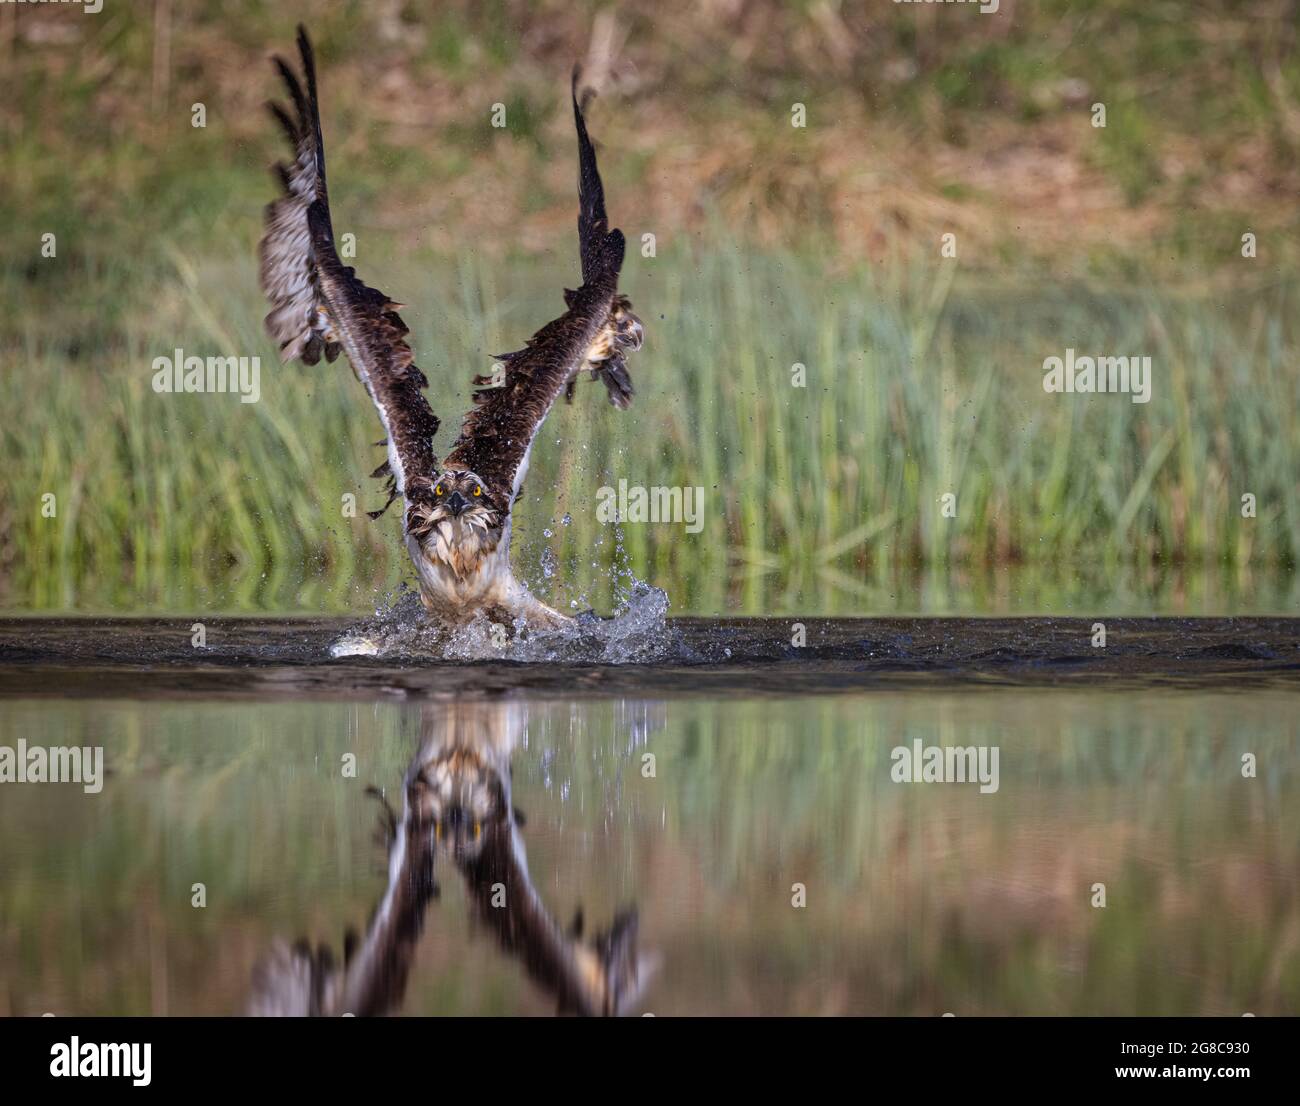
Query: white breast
x,y
451,590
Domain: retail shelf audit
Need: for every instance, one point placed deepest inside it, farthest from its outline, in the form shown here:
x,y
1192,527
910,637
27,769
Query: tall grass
x,y
919,383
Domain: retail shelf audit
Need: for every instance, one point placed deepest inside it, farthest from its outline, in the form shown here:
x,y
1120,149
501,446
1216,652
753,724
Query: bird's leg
x,y
541,617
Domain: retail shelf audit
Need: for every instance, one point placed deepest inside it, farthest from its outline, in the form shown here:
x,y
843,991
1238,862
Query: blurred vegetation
x,y
916,386
776,246
921,899
921,119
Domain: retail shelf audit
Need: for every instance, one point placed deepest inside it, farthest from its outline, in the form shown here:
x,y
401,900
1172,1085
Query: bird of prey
x,y
458,810
456,517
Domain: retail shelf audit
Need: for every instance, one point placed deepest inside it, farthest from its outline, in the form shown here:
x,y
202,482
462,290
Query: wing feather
x,y
498,432
593,225
319,306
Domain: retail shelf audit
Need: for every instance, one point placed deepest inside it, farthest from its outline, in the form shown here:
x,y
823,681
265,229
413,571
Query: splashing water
x,y
638,633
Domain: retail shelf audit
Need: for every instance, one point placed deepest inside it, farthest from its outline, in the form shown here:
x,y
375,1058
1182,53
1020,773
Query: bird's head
x,y
462,801
454,517
459,495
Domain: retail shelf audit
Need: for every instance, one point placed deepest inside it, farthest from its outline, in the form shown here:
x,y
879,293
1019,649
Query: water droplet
x,y
566,520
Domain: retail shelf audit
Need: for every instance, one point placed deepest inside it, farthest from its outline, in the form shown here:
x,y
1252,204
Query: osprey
x,y
457,513
458,810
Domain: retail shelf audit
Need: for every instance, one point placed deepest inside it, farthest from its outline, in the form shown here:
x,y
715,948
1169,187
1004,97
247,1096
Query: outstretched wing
x,y
593,226
498,432
318,305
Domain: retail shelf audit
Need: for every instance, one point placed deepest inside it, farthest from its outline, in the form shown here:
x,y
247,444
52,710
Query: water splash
x,y
638,633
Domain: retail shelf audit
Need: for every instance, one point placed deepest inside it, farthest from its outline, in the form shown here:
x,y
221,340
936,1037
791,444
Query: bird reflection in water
x,y
457,807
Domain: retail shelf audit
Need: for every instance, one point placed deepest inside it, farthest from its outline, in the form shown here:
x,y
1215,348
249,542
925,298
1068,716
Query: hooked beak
x,y
456,504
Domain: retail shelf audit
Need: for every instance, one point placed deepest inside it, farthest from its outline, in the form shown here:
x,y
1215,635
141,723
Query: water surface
x,y
682,816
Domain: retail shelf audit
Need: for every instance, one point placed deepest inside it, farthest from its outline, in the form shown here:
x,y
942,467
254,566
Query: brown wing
x,y
299,981
318,305
593,226
499,430
601,975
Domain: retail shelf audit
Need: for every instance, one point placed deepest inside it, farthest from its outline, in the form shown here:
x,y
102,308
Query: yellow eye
x,y
437,490
478,490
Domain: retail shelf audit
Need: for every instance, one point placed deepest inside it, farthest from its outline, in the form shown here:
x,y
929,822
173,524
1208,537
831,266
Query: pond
x,y
726,829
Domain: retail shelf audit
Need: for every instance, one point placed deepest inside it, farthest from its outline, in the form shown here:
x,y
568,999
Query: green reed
x,y
920,381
